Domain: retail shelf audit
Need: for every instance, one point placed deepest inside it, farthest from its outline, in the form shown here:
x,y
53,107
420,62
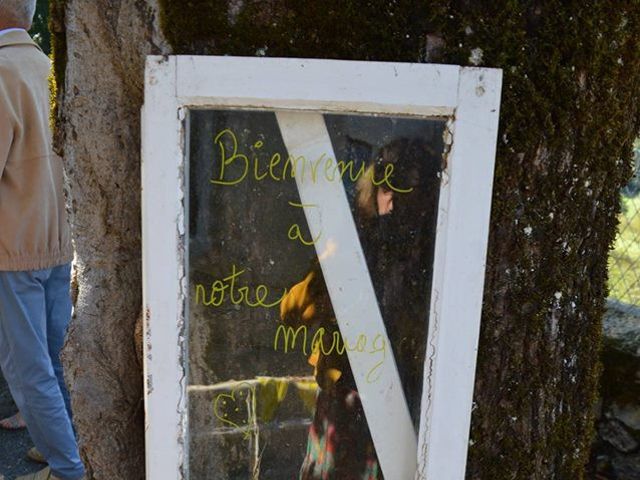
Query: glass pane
x,y
271,391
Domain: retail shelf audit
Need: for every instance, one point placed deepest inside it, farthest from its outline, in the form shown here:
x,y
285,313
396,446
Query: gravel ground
x,y
13,444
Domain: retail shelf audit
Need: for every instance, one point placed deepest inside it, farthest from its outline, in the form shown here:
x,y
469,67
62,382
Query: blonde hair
x,y
20,11
366,195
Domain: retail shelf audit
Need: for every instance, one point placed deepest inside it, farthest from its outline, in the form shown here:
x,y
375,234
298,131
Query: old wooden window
x,y
314,237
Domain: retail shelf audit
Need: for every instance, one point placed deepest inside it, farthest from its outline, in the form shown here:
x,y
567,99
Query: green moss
x,y
59,55
569,116
330,29
53,96
186,24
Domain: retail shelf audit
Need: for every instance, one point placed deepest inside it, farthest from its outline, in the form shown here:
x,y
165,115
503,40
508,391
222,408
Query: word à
x,y
327,343
226,289
292,167
295,232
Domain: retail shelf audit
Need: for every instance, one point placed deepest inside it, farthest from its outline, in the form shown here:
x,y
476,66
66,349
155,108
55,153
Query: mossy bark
x,y
569,116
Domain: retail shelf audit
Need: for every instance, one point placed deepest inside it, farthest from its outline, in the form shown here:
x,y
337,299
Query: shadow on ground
x,y
13,444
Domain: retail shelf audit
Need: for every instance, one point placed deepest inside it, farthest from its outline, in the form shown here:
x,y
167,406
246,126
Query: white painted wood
x,y
352,295
163,272
461,248
324,85
468,96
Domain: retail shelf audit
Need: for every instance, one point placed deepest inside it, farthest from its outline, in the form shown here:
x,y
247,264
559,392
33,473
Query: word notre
x,y
287,337
226,289
292,167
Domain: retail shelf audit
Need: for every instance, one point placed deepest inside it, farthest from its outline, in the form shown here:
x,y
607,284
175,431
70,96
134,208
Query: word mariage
x,y
292,167
327,342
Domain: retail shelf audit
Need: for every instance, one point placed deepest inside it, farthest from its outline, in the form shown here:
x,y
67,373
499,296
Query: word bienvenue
x,y
292,167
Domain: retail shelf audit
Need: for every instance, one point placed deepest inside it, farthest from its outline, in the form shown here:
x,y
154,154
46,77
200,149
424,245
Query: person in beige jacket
x,y
35,248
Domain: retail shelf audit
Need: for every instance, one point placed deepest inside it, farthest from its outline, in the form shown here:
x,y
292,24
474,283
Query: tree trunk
x,y
100,69
569,115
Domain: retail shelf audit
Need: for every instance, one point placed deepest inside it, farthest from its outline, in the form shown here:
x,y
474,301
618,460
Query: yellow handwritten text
x,y
293,167
220,291
287,337
295,232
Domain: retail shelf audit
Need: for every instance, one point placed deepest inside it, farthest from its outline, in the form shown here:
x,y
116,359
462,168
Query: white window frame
x,y
468,97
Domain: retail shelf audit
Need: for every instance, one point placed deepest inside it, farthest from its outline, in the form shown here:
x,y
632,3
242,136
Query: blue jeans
x,y
35,309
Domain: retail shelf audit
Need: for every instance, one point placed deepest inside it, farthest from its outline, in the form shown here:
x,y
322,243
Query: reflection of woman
x,y
396,231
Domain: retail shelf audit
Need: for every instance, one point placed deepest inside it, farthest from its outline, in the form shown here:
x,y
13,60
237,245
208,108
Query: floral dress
x,y
339,445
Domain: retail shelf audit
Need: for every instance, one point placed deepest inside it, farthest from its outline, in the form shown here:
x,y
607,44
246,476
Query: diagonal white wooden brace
x,y
352,294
